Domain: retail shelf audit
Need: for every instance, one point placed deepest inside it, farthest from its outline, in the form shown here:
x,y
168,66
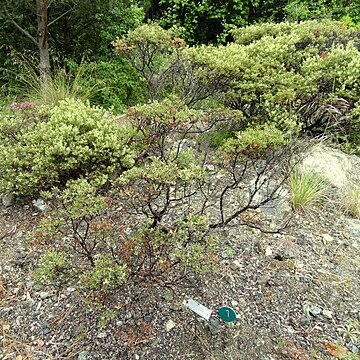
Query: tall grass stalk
x,y
25,82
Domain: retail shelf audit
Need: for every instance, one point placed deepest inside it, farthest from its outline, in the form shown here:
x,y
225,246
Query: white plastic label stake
x,y
197,308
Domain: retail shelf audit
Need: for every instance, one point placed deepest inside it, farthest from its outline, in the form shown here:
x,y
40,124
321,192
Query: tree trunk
x,y
42,21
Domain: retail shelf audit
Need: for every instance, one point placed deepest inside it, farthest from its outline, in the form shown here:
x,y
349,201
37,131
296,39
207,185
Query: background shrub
x,y
46,147
302,78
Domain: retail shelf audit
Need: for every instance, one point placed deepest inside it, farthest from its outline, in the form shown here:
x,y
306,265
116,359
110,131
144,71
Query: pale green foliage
x,y
255,140
198,255
55,144
151,33
77,225
80,199
247,35
307,188
299,77
339,70
80,224
73,212
162,172
308,32
170,111
162,123
159,226
106,275
188,246
54,266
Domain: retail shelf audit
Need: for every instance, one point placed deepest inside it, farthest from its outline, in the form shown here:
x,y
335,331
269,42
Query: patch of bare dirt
x,y
297,296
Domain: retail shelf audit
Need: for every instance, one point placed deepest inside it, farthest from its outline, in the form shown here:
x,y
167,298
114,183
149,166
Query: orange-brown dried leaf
x,y
337,351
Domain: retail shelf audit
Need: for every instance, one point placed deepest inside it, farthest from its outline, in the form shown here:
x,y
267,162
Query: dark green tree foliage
x,y
91,26
345,10
209,21
77,28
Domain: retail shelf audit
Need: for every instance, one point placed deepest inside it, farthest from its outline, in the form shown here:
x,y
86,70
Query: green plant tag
x,y
227,314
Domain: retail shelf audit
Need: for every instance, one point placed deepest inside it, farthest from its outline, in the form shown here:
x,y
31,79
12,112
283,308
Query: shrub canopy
x,y
46,147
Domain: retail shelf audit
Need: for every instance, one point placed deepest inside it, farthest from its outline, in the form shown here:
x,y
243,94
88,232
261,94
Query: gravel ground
x,y
297,296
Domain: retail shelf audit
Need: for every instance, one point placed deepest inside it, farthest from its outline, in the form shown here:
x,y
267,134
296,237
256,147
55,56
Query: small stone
x,y
315,310
137,357
284,254
169,325
83,355
5,311
7,268
101,335
304,321
149,317
234,303
214,326
268,251
354,349
119,323
327,238
259,247
327,314
8,200
228,252
264,279
229,279
302,239
70,290
29,284
128,315
235,265
45,328
44,294
39,205
20,259
168,295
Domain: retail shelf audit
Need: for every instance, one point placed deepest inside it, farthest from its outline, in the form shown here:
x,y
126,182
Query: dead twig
x,y
11,232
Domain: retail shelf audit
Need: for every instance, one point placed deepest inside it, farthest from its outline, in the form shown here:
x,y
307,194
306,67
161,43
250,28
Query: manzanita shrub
x,y
158,222
45,147
79,236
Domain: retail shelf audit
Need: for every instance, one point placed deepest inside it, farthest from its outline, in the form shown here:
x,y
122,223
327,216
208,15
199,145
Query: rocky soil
x,y
296,294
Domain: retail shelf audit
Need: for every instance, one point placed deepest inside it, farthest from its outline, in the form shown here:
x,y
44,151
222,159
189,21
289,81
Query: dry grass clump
x,y
307,188
351,201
